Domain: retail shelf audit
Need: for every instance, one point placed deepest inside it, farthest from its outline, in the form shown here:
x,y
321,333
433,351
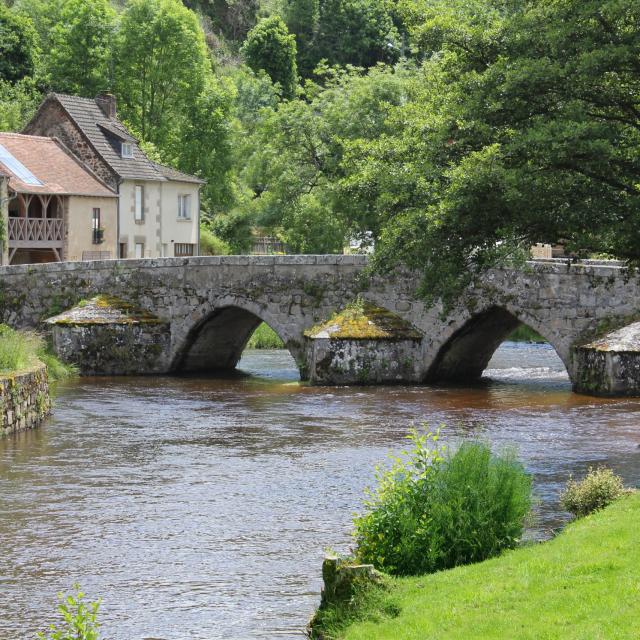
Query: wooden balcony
x,y
36,233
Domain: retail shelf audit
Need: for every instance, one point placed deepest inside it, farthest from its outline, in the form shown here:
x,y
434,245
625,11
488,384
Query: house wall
x,y
53,121
79,226
160,229
176,230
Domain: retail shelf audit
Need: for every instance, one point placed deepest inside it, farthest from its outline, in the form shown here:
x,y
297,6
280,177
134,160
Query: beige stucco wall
x,y
79,225
174,229
160,229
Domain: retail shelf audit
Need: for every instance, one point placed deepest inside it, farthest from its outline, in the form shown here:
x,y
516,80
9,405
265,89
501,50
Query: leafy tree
x,y
356,32
204,148
44,14
233,18
269,46
79,61
18,45
297,171
537,142
302,17
18,103
161,67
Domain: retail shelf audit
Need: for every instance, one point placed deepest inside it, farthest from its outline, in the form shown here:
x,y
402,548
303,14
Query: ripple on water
x,y
200,508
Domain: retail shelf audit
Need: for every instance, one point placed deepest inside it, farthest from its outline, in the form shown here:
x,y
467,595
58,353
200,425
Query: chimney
x,y
107,103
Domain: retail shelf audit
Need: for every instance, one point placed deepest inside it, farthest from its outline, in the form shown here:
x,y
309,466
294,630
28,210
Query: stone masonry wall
x,y
564,302
24,400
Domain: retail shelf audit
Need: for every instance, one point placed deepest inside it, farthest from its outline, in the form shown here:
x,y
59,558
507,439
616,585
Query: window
x,y
139,203
98,232
184,207
139,250
126,150
123,250
182,249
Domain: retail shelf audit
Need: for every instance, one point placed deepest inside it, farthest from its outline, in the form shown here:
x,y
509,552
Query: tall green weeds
x,y
264,337
24,349
434,509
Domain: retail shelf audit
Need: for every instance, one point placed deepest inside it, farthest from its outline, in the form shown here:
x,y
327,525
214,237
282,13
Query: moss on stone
x,y
362,320
104,309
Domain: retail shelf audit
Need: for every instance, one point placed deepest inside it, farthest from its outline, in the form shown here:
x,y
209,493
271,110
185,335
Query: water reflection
x,y
200,508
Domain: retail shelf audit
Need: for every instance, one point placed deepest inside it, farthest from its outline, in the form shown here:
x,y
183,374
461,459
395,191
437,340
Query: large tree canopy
x,y
80,58
536,140
18,45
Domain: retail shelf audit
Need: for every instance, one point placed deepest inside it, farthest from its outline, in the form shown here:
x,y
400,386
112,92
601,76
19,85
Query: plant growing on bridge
x,y
80,618
434,509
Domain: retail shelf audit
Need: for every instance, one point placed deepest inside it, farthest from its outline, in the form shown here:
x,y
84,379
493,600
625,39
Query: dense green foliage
x,y
579,585
464,130
597,490
264,337
80,619
271,48
435,510
79,61
18,46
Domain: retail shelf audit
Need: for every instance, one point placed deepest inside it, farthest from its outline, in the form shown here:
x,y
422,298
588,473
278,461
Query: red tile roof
x,y
53,165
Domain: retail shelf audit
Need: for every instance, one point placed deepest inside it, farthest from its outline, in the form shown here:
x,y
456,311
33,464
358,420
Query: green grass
x,y
585,583
20,350
525,333
264,337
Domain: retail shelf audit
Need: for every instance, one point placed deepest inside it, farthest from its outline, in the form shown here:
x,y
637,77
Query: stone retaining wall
x,y
24,399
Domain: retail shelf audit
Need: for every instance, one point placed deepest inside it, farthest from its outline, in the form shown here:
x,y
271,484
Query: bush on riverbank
x,y
21,350
582,584
264,337
597,490
525,333
434,510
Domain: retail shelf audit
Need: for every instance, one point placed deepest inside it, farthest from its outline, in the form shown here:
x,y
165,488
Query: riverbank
x,y
581,584
27,367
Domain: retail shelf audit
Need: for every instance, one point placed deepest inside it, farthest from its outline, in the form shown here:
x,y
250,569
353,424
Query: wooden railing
x,y
36,229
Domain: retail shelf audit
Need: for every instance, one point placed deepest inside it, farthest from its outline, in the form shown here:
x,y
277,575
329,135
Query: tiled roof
x,y
173,174
86,113
59,171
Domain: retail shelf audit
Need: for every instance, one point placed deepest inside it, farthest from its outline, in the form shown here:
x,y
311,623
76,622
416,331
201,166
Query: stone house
x,y
54,207
158,207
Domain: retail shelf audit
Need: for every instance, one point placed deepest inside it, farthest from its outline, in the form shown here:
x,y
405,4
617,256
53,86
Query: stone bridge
x,y
212,305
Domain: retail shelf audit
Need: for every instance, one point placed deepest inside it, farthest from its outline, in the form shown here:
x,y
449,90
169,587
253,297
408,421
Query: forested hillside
x,y
460,129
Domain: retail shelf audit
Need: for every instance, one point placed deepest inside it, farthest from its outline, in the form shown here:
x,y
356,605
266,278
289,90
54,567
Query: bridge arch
x,y
470,346
214,338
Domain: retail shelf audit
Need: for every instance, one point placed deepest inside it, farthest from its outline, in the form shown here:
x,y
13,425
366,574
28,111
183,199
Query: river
x,y
200,508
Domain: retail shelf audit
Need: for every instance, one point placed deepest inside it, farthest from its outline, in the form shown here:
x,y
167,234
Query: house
x,y
55,207
158,207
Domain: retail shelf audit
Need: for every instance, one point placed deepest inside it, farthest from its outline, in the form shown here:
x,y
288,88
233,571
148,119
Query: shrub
x,y
598,489
434,510
264,337
80,618
211,245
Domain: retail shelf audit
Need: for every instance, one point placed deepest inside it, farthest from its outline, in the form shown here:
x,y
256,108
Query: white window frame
x,y
138,206
139,249
184,206
126,149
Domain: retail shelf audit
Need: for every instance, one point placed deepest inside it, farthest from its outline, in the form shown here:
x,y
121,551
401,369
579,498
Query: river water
x,y
200,508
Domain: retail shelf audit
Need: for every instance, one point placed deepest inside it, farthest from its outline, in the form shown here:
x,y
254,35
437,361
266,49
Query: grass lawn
x,y
584,584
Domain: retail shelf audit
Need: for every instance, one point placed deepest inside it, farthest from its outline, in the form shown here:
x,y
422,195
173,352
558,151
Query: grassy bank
x,y
264,337
582,584
20,350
